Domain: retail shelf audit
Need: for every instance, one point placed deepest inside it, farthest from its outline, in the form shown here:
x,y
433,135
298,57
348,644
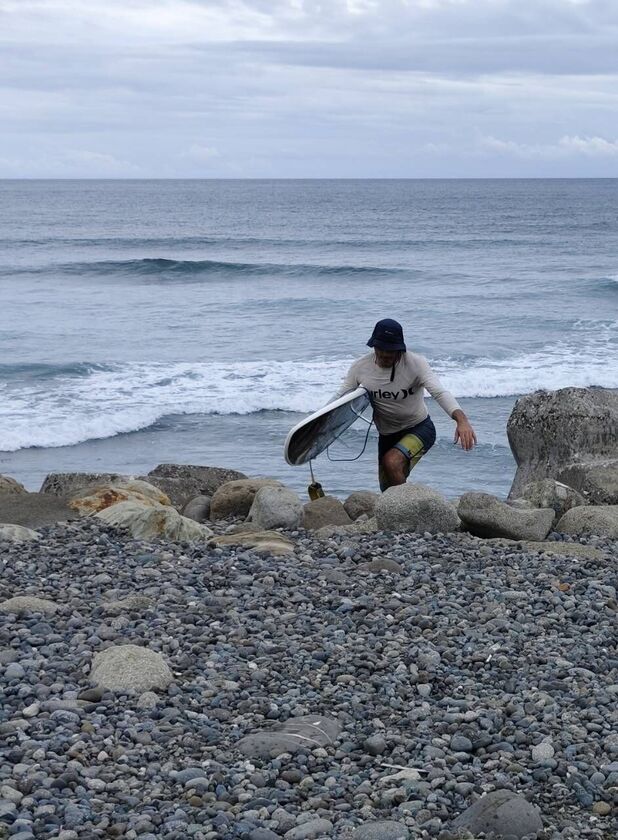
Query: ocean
x,y
196,321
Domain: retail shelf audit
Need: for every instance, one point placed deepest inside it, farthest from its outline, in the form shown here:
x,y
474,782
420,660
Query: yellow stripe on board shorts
x,y
413,448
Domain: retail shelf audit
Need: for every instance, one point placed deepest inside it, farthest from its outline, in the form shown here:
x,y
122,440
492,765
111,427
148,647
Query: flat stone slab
x,y
265,542
501,813
300,733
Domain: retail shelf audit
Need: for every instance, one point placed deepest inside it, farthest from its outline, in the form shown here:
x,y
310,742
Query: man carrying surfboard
x,y
396,380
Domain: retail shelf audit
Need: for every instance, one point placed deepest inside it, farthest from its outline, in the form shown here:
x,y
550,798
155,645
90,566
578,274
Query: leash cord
x,y
328,455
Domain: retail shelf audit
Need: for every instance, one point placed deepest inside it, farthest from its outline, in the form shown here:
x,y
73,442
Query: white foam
x,y
123,398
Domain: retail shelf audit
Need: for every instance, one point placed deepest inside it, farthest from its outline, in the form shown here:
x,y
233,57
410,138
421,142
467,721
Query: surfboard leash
x,y
356,457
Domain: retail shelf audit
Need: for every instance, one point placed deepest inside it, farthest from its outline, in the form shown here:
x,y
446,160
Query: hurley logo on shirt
x,y
392,395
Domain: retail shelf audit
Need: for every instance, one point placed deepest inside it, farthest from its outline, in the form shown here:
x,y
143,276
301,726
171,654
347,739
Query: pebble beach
x,y
437,668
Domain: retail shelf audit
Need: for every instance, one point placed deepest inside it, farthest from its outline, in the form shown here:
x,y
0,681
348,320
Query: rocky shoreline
x,y
195,653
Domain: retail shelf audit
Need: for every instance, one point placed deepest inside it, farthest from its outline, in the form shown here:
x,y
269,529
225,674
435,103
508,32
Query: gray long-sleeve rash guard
x,y
398,404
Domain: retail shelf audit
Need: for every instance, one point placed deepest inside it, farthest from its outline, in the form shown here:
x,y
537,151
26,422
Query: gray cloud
x,y
283,88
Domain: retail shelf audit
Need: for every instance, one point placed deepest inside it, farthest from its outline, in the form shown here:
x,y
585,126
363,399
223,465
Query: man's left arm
x,y
464,433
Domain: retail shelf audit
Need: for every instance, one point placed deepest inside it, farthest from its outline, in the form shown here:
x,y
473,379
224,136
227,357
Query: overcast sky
x,y
303,88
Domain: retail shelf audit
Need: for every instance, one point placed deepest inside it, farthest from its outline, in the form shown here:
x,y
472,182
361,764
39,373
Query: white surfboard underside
x,y
316,432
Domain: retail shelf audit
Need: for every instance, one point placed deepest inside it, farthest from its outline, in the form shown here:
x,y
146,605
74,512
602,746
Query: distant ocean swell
x,y
155,267
46,406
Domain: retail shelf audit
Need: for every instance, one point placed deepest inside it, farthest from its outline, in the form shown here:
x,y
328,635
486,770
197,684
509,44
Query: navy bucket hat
x,y
387,335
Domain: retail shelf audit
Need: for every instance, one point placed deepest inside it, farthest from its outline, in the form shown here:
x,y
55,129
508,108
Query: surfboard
x,y
316,432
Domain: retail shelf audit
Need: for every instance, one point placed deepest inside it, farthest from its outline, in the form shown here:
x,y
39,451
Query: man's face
x,y
386,358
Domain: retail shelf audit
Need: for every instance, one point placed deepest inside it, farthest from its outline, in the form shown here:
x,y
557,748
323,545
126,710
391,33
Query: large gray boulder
x,y
276,507
9,486
130,669
485,515
156,522
182,482
68,484
501,814
327,510
600,520
296,734
569,435
361,502
415,508
548,493
234,498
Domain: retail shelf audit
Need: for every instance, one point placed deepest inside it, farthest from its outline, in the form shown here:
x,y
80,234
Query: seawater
x,y
196,321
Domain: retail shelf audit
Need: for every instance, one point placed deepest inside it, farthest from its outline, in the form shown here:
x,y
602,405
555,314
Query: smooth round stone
x,y
602,809
459,743
14,671
375,745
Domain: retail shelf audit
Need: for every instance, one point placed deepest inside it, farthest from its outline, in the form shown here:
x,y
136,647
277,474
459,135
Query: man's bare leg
x,y
396,468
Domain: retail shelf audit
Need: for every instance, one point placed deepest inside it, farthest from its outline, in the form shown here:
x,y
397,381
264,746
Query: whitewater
x,y
200,320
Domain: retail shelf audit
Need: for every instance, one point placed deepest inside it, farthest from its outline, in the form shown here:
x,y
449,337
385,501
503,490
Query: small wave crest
x,y
161,269
84,402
